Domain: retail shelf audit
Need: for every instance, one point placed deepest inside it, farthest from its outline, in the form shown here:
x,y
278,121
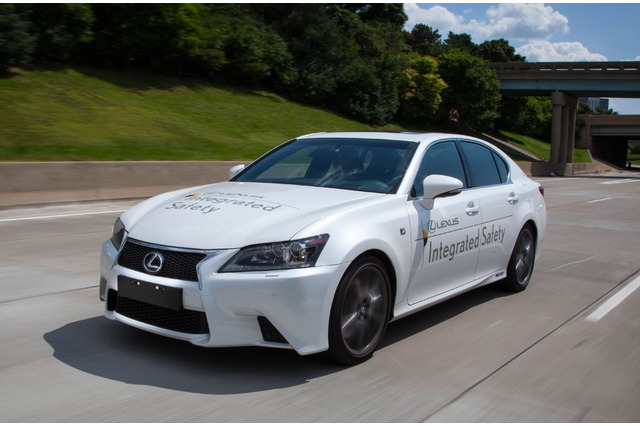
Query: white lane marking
x,y
615,182
571,263
601,199
614,301
58,216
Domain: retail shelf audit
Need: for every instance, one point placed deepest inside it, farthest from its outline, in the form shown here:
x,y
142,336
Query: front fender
x,y
382,227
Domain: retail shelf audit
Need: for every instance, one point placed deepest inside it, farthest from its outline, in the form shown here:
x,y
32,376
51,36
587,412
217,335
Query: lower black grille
x,y
184,321
269,332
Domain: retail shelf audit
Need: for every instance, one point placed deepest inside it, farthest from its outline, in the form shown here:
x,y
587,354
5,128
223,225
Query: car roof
x,y
396,136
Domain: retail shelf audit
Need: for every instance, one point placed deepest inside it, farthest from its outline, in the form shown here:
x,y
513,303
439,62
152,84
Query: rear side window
x,y
503,169
483,168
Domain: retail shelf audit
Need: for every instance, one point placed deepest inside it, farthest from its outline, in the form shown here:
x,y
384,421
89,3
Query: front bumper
x,y
285,308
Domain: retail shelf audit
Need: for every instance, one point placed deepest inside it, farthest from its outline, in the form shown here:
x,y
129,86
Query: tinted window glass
x,y
440,159
503,170
482,167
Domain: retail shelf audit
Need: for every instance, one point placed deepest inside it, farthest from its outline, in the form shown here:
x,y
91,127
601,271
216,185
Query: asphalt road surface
x,y
565,350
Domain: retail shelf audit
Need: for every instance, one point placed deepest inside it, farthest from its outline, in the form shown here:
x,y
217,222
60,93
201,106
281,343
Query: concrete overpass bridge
x,y
607,136
564,82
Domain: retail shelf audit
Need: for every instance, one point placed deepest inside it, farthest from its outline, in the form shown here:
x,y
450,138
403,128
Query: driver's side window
x,y
441,159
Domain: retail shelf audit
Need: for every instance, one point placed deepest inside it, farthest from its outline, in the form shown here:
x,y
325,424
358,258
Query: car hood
x,y
235,214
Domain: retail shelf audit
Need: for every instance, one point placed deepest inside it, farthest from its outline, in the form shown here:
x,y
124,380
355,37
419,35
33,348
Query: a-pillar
x,y
563,124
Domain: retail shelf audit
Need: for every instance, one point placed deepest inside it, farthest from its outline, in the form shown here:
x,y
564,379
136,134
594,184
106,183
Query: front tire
x,y
360,312
522,261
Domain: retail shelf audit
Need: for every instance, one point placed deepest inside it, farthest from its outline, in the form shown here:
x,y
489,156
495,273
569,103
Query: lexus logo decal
x,y
153,262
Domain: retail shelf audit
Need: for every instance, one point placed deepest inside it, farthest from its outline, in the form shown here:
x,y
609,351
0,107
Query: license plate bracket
x,y
154,294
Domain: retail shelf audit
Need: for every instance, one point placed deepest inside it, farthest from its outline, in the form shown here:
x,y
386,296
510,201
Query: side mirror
x,y
439,186
235,170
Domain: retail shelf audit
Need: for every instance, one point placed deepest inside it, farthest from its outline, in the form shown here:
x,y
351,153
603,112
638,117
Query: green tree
x,y
314,40
17,42
60,29
583,108
346,58
153,36
421,89
381,13
425,40
460,42
375,32
498,51
253,52
604,111
473,92
527,115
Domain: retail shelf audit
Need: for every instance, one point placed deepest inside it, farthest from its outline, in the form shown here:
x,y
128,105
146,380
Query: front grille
x,y
184,321
269,332
179,265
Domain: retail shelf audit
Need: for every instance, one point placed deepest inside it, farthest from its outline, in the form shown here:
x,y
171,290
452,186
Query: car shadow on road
x,y
115,351
112,350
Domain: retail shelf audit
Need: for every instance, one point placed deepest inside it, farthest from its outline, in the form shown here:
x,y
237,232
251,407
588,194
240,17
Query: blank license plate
x,y
155,294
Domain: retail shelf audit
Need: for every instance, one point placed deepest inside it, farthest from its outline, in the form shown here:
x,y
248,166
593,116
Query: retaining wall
x,y
56,182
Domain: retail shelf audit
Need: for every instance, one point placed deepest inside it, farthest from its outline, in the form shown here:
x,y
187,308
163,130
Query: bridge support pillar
x,y
563,124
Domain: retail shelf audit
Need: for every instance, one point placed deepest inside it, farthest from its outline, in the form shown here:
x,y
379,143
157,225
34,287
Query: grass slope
x,y
79,114
542,149
76,114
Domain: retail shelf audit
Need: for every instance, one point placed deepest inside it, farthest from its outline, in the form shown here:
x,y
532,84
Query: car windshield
x,y
355,164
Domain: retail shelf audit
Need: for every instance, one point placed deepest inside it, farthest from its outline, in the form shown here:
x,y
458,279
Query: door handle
x,y
513,198
472,209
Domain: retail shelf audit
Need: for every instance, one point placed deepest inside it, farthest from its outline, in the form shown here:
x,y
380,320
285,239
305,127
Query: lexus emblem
x,y
153,262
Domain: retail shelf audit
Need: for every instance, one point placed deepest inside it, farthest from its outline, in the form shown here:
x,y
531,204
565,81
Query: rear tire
x,y
360,312
522,261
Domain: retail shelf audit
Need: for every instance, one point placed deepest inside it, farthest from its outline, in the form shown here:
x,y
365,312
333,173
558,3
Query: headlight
x,y
117,235
281,255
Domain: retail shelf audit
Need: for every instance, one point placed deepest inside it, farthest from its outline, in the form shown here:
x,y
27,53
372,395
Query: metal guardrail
x,y
565,67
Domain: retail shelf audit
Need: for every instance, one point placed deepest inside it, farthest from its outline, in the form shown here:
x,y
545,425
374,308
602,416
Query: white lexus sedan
x,y
320,243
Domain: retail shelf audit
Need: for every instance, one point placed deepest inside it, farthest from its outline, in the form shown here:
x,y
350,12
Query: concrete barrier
x,y
58,182
541,168
55,182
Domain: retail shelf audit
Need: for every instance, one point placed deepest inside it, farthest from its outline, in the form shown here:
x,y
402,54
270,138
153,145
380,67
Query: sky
x,y
544,32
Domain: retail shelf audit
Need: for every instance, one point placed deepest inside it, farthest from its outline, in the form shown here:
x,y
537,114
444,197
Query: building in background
x,y
594,103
